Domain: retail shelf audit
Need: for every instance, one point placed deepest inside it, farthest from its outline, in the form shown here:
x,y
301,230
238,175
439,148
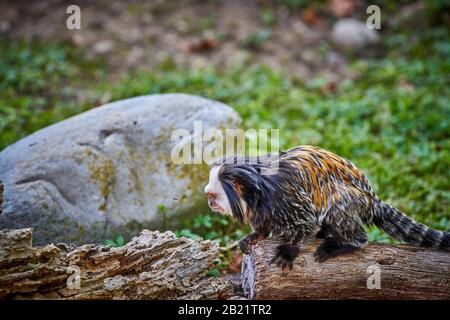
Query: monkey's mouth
x,y
214,206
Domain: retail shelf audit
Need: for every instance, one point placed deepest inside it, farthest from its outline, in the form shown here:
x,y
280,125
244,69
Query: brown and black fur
x,y
314,192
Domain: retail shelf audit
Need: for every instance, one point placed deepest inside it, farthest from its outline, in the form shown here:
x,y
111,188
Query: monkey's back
x,y
327,178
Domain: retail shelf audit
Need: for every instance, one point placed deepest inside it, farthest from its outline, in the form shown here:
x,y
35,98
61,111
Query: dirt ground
x,y
139,34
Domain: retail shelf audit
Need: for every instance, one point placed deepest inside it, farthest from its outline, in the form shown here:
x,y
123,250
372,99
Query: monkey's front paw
x,y
285,256
246,245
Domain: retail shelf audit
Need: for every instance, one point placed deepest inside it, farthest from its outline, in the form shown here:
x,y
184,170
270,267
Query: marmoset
x,y
312,192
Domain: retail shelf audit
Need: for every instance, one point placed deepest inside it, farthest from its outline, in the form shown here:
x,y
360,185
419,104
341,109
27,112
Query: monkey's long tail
x,y
403,228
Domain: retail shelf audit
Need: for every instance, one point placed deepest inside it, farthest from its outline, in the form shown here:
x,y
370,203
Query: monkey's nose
x,y
211,195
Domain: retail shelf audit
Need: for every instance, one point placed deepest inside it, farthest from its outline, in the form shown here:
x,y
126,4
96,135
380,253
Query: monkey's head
x,y
238,189
215,191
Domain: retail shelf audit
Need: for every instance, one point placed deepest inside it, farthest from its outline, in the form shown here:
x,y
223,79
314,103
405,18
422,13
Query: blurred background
x,y
313,69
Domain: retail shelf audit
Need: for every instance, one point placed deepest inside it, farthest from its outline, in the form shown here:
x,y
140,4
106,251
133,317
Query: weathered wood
x,y
153,265
405,272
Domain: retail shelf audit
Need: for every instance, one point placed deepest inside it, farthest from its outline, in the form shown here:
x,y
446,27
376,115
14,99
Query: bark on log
x,y
153,265
405,272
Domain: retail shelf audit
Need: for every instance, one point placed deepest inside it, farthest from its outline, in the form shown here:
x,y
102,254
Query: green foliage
x,y
162,212
37,87
118,242
212,227
207,23
257,39
267,16
214,272
438,5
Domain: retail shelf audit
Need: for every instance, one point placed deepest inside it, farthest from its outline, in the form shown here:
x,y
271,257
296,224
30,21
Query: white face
x,y
217,199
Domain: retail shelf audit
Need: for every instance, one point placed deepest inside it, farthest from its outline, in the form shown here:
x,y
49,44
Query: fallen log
x,y
378,271
153,265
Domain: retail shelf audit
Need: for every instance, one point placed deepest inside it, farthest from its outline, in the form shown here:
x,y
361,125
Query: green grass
x,y
392,120
38,85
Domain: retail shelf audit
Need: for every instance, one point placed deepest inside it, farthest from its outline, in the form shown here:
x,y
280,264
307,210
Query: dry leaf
x,y
202,44
309,16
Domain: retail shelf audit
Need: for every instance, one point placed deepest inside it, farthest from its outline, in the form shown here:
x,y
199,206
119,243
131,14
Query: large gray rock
x,y
353,34
107,171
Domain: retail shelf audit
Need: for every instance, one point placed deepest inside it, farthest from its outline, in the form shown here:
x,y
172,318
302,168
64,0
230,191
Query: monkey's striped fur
x,y
314,192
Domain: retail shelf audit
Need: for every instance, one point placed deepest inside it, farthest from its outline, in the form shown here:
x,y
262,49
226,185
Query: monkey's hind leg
x,y
341,239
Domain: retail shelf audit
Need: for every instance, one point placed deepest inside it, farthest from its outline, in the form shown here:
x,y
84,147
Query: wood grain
x,y
153,265
406,272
